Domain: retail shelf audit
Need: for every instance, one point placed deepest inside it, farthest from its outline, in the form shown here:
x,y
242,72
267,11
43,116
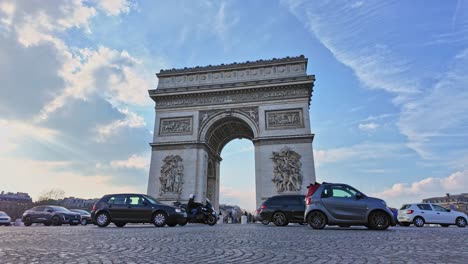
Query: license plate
x,y
75,221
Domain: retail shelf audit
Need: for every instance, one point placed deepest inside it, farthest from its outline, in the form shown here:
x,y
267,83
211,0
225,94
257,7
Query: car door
x,y
298,207
139,209
343,204
37,213
117,206
427,213
442,215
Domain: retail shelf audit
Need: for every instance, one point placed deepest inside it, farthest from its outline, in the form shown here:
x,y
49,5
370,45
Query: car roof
x,y
125,194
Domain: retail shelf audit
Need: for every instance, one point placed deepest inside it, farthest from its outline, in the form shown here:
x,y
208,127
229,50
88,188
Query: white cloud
x,y
114,7
134,161
369,127
131,120
401,193
363,151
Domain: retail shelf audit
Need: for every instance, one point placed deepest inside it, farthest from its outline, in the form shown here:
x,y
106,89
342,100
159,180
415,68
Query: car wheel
x,y
159,219
265,222
84,222
280,219
461,222
102,219
56,221
317,220
379,220
120,224
183,223
405,224
418,221
27,221
211,221
443,225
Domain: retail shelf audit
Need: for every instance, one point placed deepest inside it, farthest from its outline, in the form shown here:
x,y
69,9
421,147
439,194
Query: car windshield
x,y
60,209
79,211
2,214
151,199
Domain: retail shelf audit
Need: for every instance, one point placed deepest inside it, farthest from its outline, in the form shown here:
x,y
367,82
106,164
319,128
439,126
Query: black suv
x,y
283,209
121,209
50,215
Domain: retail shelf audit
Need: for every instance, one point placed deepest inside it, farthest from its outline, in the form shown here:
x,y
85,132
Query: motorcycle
x,y
207,214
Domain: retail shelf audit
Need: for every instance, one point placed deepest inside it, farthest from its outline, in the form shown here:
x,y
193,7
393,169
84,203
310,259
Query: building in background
x,y
458,202
14,204
77,203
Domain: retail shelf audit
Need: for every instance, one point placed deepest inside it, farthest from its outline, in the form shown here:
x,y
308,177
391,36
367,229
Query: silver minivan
x,y
342,205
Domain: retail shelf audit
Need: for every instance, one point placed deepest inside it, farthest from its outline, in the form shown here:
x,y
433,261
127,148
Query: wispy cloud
x,y
401,193
368,127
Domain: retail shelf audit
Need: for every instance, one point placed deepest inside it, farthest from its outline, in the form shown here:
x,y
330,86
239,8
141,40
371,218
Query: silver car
x,y
342,205
4,219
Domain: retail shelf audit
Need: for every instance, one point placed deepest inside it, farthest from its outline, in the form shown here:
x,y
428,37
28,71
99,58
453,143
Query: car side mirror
x,y
50,211
358,196
145,203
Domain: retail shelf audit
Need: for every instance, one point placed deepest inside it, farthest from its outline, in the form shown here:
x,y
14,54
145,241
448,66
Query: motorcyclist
x,y
192,206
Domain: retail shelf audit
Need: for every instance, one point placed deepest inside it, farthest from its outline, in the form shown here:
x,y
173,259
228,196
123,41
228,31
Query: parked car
x,y
342,205
50,215
4,219
259,218
121,209
427,213
283,209
85,216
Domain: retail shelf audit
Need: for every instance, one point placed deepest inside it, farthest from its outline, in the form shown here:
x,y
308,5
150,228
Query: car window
x,y
151,199
341,191
135,200
39,208
118,199
439,208
425,207
405,206
291,200
326,192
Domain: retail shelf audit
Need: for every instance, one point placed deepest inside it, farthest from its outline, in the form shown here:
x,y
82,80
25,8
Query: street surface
x,y
228,243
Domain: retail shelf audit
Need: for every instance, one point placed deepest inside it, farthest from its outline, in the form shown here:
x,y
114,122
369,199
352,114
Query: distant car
x,y
50,215
283,209
427,213
121,209
85,216
342,205
4,219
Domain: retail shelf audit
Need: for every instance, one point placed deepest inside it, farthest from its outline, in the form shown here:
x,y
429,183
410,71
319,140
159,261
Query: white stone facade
x,y
199,110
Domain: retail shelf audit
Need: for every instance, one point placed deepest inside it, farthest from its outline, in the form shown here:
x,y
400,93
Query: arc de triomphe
x,y
199,110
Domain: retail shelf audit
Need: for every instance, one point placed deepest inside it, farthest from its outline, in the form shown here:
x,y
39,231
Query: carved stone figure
x,y
287,170
172,174
176,126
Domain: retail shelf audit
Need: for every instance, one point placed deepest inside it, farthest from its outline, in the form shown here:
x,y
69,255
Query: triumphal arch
x,y
199,110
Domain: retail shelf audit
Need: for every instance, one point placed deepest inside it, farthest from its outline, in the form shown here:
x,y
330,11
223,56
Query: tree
x,y
51,194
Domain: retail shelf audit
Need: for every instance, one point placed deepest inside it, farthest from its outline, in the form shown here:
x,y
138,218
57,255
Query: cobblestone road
x,y
224,243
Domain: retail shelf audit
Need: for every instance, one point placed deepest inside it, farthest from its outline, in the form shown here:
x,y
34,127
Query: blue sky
x,y
389,108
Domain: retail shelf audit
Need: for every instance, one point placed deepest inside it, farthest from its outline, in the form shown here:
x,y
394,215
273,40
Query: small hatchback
x,y
342,205
121,209
4,219
282,210
426,213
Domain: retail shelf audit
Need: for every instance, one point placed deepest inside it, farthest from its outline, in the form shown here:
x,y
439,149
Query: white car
x,y
427,213
4,219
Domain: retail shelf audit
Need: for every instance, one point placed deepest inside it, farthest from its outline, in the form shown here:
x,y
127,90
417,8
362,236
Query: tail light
x,y
409,211
308,201
94,207
262,207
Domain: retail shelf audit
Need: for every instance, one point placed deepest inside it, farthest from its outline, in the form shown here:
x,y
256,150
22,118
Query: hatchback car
x,y
4,219
50,215
342,205
85,216
121,209
426,213
283,209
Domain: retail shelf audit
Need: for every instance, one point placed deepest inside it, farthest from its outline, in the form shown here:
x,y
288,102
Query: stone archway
x,y
199,110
